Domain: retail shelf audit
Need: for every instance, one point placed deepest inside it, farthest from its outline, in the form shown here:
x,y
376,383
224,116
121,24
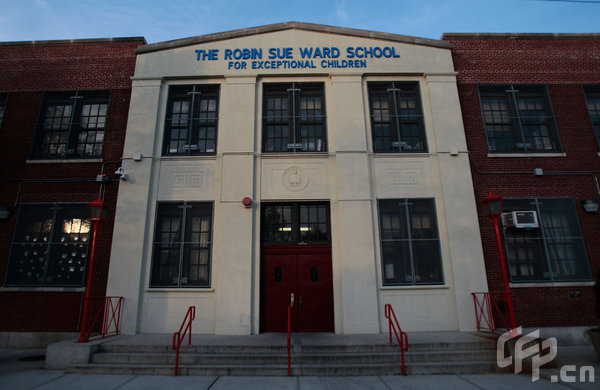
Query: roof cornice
x,y
244,32
521,35
141,40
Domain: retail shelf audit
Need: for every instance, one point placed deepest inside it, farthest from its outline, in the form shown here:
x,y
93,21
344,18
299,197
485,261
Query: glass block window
x,y
71,124
294,118
396,118
518,119
50,246
410,245
295,223
3,102
182,245
592,97
554,252
191,121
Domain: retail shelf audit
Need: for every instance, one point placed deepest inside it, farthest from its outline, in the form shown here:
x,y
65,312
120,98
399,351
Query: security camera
x,y
121,173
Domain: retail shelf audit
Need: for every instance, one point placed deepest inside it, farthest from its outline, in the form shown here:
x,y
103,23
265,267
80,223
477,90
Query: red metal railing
x,y
289,329
104,317
401,336
490,309
178,337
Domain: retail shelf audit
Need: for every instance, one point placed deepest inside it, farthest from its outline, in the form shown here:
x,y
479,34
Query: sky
x,y
160,20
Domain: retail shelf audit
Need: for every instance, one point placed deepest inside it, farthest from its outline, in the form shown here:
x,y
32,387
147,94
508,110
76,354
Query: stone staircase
x,y
325,355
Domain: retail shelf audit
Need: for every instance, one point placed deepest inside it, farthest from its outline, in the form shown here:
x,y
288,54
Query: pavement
x,y
22,369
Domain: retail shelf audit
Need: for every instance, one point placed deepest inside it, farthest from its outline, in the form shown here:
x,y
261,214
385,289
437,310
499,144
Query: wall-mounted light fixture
x,y
590,205
4,212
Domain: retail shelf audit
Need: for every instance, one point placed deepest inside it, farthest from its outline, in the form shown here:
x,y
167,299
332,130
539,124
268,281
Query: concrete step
x,y
243,349
463,367
306,358
315,356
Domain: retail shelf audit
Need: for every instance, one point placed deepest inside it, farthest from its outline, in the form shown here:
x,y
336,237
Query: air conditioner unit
x,y
520,219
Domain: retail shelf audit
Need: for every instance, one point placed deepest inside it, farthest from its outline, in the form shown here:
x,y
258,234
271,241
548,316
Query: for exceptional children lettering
x,y
300,58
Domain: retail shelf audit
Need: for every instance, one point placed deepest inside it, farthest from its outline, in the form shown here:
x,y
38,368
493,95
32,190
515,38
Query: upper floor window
x,y
182,245
553,252
192,118
592,97
518,119
294,118
396,117
50,246
71,125
410,244
3,101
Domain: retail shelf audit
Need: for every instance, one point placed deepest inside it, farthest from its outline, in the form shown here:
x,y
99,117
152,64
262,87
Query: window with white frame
x,y
294,118
182,245
553,252
410,245
592,97
396,117
192,120
50,246
71,124
3,101
518,119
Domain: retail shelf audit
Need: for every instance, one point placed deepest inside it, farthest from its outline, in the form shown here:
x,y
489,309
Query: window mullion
x,y
191,118
512,92
394,102
76,99
294,115
410,240
545,238
50,244
182,243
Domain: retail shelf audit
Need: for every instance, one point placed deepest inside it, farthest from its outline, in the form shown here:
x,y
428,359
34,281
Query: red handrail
x,y
402,337
289,328
178,337
487,310
104,316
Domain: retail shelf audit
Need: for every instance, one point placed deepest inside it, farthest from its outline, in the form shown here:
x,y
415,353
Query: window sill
x,y
65,161
181,290
552,284
292,154
416,287
401,155
188,158
42,289
521,155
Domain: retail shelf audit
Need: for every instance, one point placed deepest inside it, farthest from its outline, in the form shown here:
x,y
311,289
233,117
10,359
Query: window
x,y
3,101
294,118
50,246
182,245
410,245
71,125
294,223
553,252
592,97
191,122
396,118
518,119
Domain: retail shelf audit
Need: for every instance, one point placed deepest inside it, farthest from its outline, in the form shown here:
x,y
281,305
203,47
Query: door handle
x,y
300,300
292,300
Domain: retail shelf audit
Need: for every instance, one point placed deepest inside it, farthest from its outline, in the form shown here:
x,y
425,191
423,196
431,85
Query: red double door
x,y
299,276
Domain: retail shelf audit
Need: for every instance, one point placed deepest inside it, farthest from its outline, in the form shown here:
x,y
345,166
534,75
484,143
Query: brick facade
x,y
564,63
27,70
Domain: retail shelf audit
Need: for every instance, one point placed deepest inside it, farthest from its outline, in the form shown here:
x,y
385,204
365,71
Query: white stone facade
x,y
349,175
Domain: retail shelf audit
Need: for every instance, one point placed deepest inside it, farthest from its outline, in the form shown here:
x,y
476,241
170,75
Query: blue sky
x,y
159,20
